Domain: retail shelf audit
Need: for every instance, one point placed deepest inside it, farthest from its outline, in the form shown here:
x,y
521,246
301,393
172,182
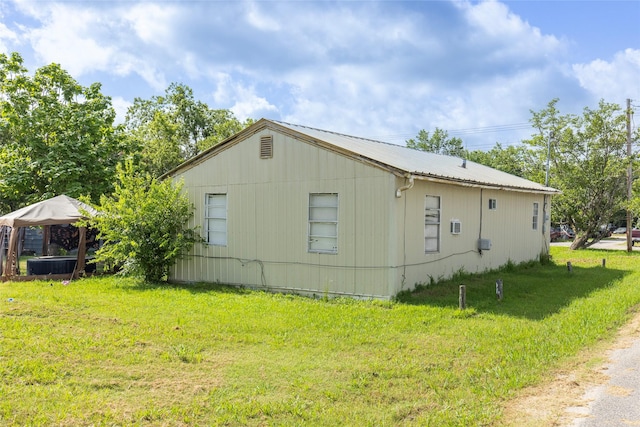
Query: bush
x,y
144,225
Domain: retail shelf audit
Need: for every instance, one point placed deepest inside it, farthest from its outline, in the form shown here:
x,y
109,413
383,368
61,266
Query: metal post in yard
x,y
462,297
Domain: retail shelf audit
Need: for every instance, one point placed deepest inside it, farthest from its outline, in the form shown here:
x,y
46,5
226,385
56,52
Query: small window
x,y
266,147
456,226
323,222
432,224
215,219
535,216
492,204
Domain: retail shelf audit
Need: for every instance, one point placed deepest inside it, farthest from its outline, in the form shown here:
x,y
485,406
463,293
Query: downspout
x,y
399,191
405,187
480,228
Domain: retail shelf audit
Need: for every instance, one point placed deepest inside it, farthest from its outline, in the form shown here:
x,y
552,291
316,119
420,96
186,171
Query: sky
x,y
375,69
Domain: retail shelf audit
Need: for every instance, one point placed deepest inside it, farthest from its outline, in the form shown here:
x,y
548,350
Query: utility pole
x,y
546,177
629,179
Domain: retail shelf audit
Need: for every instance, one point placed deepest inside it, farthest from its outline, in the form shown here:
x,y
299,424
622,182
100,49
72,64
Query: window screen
x,y
215,219
323,222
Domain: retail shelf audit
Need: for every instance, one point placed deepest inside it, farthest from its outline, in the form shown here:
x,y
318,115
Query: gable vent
x,y
266,147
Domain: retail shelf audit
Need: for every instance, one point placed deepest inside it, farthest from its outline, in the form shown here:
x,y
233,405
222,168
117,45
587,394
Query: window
x,y
215,219
432,224
535,216
492,204
323,222
456,226
266,147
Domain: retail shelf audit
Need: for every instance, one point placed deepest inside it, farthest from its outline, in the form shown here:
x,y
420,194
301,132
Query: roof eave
x,y
221,146
476,184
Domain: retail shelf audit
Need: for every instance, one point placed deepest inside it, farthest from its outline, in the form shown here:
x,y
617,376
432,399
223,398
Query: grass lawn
x,y
116,351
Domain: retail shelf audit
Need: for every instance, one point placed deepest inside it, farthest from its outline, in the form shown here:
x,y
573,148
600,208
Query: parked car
x,y
567,232
635,236
600,234
561,233
556,234
620,230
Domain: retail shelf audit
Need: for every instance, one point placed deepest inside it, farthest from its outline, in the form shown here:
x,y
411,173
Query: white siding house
x,y
295,209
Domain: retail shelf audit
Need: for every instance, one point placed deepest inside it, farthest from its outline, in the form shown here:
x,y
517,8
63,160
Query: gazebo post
x,y
2,238
46,237
82,249
12,255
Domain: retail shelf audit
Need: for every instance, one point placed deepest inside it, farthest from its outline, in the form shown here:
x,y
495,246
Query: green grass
x,y
116,351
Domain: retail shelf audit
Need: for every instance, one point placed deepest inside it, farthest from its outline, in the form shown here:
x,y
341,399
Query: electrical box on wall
x,y
484,244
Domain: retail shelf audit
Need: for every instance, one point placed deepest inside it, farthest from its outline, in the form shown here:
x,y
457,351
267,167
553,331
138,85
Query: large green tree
x,y
56,136
172,128
439,142
587,162
517,160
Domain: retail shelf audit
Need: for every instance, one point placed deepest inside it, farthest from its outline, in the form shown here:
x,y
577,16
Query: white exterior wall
x,y
380,237
267,220
509,227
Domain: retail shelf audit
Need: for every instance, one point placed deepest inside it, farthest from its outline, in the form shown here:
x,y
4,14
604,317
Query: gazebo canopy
x,y
57,210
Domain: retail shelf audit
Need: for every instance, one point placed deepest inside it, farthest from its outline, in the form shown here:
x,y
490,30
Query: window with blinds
x,y
431,224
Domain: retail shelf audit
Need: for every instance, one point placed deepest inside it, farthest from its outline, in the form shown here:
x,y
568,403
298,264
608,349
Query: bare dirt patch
x,y
562,399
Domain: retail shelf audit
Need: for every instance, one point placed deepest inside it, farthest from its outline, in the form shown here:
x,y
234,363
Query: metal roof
x,y
399,159
420,164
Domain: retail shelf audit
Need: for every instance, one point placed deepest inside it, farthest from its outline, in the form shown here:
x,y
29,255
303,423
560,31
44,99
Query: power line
x,y
490,129
460,132
402,137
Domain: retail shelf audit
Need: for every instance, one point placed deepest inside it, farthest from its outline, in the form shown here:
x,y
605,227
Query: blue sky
x,y
382,70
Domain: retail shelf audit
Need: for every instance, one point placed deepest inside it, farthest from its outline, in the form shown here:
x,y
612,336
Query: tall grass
x,y
116,351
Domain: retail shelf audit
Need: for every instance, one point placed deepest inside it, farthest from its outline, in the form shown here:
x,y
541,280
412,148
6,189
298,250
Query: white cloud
x,y
86,40
612,81
6,35
406,78
66,39
191,64
504,36
244,101
248,104
153,23
223,93
258,19
120,105
365,68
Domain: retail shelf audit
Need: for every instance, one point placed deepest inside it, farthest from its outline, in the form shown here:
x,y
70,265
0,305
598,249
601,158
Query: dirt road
x,y
601,388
